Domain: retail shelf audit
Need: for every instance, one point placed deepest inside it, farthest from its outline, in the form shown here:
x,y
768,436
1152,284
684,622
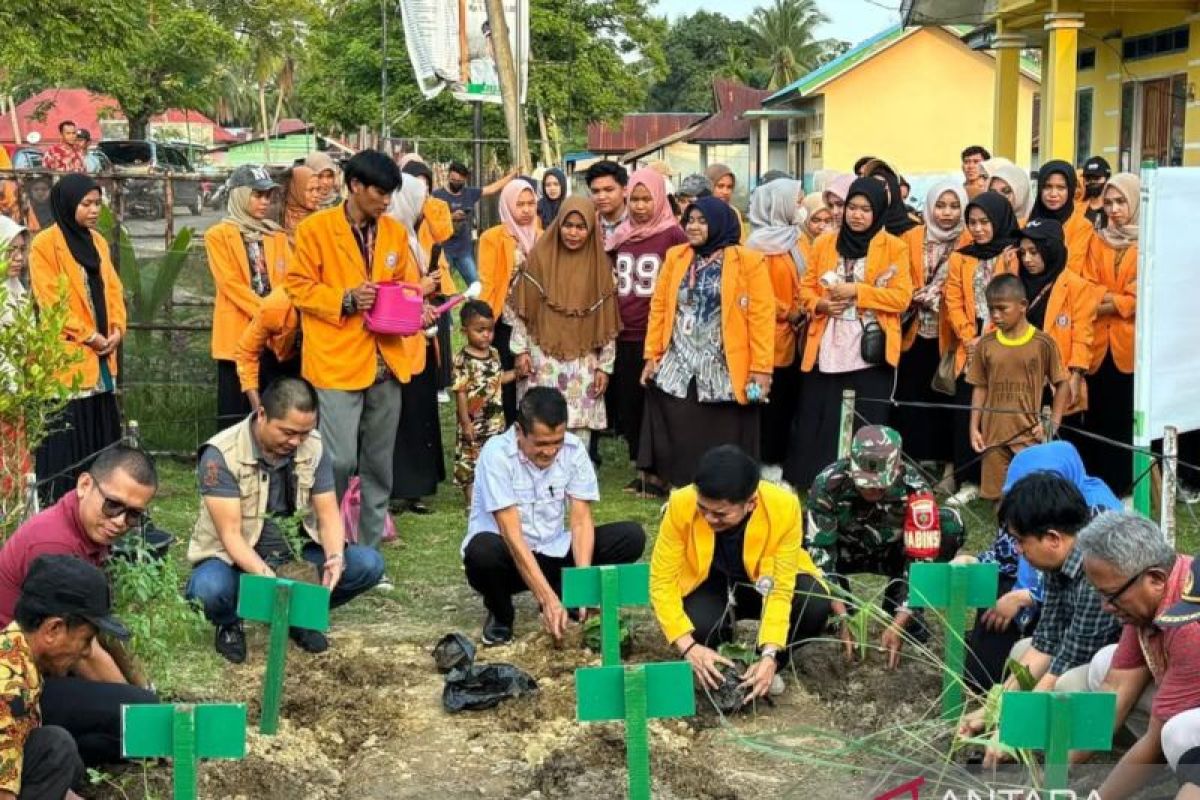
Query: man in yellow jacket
x,y
729,549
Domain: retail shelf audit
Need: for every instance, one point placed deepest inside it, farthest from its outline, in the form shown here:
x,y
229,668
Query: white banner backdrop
x,y
1167,375
450,46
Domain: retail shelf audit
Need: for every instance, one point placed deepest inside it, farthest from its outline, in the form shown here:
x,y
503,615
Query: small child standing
x,y
1009,371
478,377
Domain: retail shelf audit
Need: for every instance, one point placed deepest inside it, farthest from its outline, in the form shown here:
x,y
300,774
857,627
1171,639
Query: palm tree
x,y
784,32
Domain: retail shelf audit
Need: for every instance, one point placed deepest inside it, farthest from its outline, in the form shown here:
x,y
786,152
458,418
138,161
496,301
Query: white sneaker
x,y
443,397
385,585
777,686
966,493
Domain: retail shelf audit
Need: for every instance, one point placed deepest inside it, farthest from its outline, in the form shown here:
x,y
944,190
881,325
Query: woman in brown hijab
x,y
566,305
303,198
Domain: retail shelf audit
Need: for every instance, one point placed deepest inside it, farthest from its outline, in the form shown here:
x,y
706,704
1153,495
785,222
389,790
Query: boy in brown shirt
x,y
1009,370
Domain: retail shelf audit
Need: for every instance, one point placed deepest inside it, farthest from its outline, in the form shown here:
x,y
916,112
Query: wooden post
x,y
31,505
846,428
510,88
1170,483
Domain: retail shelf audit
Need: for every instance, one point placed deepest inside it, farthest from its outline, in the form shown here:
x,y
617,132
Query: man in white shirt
x,y
531,516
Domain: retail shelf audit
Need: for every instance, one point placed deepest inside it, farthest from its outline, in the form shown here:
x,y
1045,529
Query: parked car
x,y
97,164
135,156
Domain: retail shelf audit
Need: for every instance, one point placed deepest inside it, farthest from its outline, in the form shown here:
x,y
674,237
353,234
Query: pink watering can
x,y
471,293
397,309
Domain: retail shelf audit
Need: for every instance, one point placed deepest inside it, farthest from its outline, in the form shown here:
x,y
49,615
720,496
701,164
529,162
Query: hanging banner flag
x,y
450,46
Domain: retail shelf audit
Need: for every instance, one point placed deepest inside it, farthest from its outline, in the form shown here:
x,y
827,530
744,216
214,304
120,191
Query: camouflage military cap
x,y
875,459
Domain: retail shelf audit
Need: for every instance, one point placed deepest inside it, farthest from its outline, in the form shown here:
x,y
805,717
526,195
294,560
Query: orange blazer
x,y
51,262
274,325
1070,312
887,290
436,228
1078,233
339,352
236,303
497,260
785,282
958,323
747,312
1114,272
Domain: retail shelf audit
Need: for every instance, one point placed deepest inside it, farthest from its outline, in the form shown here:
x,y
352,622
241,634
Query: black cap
x,y
1044,229
257,178
1188,608
62,586
1096,166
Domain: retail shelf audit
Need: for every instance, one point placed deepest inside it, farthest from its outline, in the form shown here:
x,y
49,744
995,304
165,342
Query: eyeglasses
x,y
1111,599
113,508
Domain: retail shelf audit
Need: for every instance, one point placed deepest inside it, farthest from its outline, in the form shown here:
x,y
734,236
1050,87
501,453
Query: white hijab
x,y
776,216
933,231
10,230
406,206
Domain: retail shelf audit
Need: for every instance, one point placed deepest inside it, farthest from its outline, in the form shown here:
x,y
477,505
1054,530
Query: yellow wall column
x,y
1191,119
1007,95
1059,67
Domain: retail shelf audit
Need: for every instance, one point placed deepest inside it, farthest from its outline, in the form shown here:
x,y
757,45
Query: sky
x,y
851,20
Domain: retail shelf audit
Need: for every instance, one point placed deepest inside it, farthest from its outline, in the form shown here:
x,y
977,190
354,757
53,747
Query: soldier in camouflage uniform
x,y
857,508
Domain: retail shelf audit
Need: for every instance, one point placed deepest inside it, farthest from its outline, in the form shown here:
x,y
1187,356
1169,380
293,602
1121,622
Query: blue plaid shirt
x,y
1073,627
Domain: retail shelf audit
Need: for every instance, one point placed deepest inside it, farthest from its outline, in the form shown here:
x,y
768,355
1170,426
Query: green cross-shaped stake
x,y
609,587
185,734
953,588
282,604
636,694
1057,722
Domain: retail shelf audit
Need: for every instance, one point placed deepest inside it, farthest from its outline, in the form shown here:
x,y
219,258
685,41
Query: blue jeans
x,y
215,583
465,264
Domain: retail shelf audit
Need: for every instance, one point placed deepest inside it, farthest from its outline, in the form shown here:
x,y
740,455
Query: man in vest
x,y
259,480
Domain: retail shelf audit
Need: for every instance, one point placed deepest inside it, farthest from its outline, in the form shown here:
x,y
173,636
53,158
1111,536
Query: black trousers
x,y
502,341
91,713
987,650
713,616
492,572
51,764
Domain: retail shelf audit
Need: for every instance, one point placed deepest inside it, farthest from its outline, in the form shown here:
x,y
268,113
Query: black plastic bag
x,y
483,686
453,651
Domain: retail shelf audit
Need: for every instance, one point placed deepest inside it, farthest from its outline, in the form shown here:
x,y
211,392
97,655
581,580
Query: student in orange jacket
x,y
247,255
776,217
69,265
713,296
273,329
855,289
435,228
1112,265
1057,185
1061,304
923,428
818,219
503,249
994,233
342,256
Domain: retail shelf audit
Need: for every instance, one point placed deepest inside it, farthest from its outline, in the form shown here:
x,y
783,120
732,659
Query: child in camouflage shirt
x,y
478,377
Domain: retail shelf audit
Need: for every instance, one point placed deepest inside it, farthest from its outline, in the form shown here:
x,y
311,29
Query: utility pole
x,y
384,133
509,87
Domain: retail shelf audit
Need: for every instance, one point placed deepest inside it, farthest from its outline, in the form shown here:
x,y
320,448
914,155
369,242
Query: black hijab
x,y
65,197
723,228
547,209
853,244
1005,231
1047,236
1068,172
896,219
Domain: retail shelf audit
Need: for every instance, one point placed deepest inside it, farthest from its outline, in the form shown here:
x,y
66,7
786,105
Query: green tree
x,y
698,48
784,32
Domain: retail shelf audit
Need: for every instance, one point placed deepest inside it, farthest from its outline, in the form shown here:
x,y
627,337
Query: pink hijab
x,y
663,219
840,186
525,235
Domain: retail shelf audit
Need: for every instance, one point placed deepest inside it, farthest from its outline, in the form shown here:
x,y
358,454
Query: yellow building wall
x,y
1111,72
917,105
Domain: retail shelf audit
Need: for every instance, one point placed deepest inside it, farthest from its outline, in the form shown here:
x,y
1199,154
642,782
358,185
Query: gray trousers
x,y
52,764
359,429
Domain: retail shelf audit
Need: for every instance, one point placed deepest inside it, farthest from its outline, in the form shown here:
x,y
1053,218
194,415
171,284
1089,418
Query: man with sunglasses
x,y
109,500
1155,667
1045,513
866,514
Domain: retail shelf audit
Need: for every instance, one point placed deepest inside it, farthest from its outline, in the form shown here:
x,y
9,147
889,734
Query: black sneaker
x,y
496,632
231,642
308,640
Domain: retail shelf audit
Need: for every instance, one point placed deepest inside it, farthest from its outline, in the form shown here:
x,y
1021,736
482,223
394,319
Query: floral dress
x,y
574,378
480,379
697,350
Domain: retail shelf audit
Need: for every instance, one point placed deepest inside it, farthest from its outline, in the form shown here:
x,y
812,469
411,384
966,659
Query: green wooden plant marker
x,y
282,604
609,587
185,734
636,694
1057,723
953,588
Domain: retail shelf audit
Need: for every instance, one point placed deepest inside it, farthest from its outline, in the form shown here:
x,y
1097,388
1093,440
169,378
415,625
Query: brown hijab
x,y
567,298
295,207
